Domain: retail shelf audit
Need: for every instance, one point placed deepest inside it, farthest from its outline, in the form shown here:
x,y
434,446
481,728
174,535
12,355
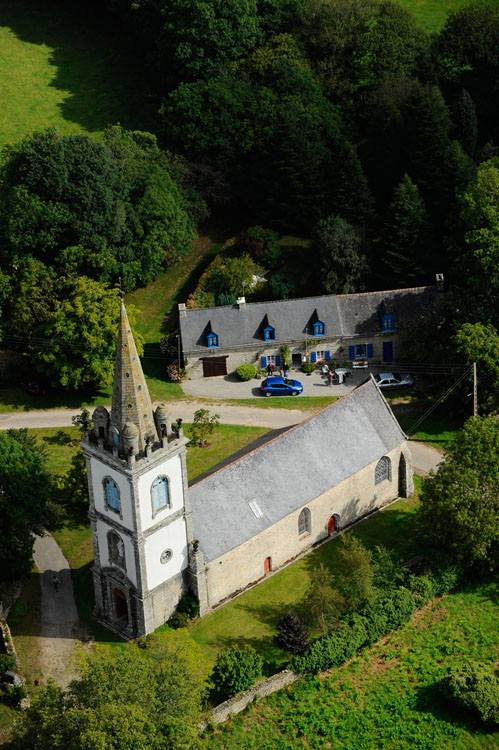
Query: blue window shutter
x,y
351,352
369,350
264,361
277,360
327,355
113,498
313,357
160,497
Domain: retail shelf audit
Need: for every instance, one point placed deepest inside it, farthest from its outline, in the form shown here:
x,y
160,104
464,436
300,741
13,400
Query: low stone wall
x,y
237,704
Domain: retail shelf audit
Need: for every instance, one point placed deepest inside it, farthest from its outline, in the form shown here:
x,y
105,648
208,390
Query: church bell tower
x,y
139,513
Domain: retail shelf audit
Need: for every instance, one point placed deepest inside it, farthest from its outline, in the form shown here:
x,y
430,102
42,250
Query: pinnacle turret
x,y
132,419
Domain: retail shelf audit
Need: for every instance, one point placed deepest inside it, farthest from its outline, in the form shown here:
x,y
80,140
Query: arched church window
x,y
112,494
304,522
116,549
160,492
383,470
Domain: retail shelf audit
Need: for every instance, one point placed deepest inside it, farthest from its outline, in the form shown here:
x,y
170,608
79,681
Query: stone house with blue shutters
x,y
367,326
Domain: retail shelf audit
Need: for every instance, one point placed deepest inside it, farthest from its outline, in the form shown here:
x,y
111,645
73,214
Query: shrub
x,y
308,367
447,578
261,244
236,669
292,633
226,298
246,372
423,588
281,287
474,687
285,354
189,605
178,620
174,374
7,662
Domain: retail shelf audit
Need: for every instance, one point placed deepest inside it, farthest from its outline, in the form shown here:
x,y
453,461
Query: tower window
x,y
112,494
160,493
116,549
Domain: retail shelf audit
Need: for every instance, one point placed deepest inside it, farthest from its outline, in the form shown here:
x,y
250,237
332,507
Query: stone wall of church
x,y
352,499
338,348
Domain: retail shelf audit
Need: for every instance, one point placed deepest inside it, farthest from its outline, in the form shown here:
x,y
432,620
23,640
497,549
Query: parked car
x,y
388,381
281,387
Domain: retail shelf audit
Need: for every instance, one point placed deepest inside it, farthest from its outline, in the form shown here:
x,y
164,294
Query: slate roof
x,y
343,315
293,469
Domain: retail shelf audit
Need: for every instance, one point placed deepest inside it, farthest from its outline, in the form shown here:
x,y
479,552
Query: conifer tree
x,y
465,122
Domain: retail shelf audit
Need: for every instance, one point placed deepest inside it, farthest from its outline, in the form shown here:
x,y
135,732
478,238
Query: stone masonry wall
x,y
337,347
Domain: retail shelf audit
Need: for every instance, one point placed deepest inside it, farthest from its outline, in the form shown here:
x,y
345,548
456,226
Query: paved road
x,y
424,457
60,630
245,415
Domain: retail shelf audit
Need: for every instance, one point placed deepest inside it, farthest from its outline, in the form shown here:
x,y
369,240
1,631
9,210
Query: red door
x,y
121,605
266,565
331,525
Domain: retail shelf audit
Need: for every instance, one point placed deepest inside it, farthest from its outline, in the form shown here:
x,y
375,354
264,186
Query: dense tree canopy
x,y
339,250
25,494
133,697
460,503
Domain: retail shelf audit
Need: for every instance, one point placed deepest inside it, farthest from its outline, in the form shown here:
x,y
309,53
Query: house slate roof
x,y
343,315
291,470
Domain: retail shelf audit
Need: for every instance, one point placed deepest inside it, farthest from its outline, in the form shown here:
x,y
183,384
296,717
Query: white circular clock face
x,y
166,555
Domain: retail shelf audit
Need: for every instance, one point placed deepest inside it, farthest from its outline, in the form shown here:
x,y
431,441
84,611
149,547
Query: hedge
x,y
246,372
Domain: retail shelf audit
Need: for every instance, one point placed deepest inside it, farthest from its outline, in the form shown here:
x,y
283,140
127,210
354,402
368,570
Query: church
x,y
154,536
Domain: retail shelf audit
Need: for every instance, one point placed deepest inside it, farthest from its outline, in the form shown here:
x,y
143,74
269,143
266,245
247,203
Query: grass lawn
x,y
388,696
303,403
251,618
431,14
437,429
63,65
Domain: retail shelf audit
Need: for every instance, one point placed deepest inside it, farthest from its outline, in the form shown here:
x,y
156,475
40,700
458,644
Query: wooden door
x,y
331,525
387,351
267,565
214,366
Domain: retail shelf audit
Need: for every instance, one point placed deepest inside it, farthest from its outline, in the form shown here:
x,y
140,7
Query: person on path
x,y
281,371
286,369
56,582
341,377
330,377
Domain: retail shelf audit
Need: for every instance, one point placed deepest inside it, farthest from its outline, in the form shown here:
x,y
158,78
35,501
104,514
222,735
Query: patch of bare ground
x,y
432,611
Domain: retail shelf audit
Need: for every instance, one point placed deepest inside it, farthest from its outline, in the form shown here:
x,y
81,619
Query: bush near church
x,y
236,669
246,372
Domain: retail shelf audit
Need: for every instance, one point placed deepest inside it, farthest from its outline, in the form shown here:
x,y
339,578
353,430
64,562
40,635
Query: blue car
x,y
281,387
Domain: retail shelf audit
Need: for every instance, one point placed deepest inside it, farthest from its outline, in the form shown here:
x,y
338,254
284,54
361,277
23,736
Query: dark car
x,y
388,381
281,387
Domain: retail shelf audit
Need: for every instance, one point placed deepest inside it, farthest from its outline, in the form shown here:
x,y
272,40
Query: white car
x,y
391,380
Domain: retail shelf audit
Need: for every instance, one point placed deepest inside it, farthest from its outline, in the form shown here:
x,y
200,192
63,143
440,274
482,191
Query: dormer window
x,y
387,323
319,328
212,340
269,333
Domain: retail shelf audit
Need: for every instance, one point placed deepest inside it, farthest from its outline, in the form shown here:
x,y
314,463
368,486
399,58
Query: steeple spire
x,y
131,409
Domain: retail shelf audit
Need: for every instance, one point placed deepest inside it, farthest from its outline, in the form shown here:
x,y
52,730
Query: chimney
x,y
182,312
241,303
439,282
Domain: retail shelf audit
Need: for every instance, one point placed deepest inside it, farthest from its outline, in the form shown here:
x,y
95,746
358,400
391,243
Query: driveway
x,y
229,386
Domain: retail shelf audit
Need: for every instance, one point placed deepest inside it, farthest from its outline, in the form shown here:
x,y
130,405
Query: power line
x,y
439,401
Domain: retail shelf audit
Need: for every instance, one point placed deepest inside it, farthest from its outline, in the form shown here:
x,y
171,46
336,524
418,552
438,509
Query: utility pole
x,y
178,351
475,392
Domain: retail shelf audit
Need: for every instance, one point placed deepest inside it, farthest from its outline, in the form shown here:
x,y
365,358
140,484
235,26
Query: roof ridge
x,y
388,291
278,437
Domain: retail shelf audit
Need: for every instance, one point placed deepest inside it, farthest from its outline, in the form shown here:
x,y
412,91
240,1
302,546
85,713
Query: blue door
x,y
387,351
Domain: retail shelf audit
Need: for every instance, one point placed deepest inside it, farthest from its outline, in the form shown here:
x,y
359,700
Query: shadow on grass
x,y
60,438
430,700
17,399
83,587
95,62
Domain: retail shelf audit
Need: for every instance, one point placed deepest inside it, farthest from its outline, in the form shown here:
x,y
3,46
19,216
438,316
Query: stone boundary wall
x,y
8,643
239,702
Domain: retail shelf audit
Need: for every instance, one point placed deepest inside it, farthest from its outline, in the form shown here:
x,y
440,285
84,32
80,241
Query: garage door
x,y
214,366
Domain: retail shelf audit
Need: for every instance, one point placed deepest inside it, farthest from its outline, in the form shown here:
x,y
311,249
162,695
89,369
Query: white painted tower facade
x,y
141,522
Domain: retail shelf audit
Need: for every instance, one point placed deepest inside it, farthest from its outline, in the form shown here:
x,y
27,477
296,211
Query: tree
x,y
480,343
236,669
465,121
76,345
203,426
292,633
142,697
355,573
460,504
322,604
25,494
233,275
474,687
407,234
72,490
281,286
339,249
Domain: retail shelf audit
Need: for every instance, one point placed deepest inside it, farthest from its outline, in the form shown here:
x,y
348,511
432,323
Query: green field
x,y
387,698
431,14
63,66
